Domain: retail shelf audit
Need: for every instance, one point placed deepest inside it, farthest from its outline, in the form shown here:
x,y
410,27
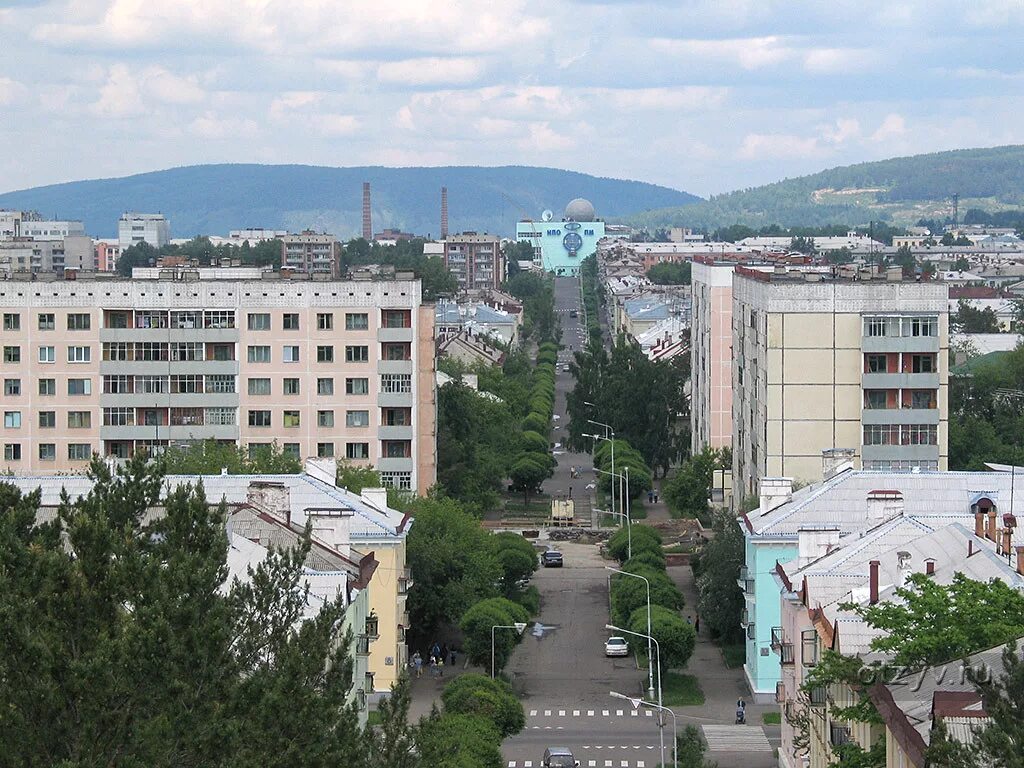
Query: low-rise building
x,y
134,228
38,229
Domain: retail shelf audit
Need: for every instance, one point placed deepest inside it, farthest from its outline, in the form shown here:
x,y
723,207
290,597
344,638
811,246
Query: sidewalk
x,y
426,691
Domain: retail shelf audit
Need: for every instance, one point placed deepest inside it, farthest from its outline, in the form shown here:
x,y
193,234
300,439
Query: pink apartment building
x,y
711,353
328,369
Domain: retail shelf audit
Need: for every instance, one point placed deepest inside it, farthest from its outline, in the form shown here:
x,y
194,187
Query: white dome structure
x,y
580,210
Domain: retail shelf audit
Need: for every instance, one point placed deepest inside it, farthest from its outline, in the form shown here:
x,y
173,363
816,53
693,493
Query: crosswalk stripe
x,y
533,713
547,713
607,764
618,713
639,764
590,713
575,713
625,764
604,713
561,713
648,713
634,713
736,738
528,764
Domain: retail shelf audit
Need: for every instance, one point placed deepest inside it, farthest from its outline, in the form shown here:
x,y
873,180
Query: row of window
x,y
916,399
159,351
901,434
186,319
899,326
911,362
354,353
48,354
76,321
48,451
390,383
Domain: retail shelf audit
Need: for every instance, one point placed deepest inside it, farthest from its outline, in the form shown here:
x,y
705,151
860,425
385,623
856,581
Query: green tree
x,y
528,472
353,478
454,565
687,492
476,625
803,245
139,255
517,559
642,536
971,319
676,638
628,594
458,741
393,744
210,457
932,623
646,558
719,599
670,273
492,700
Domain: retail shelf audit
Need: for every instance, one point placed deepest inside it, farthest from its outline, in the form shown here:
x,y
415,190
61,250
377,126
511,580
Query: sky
x,y
706,96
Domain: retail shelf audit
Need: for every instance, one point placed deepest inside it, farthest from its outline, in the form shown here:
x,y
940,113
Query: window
x,y
12,354
47,387
150,351
399,480
874,326
325,386
325,450
259,386
47,419
79,419
356,321
291,321
12,321
187,417
219,318
12,387
291,354
357,354
190,351
119,449
922,363
79,354
397,351
12,452
325,322
118,385
291,386
152,385
79,321
292,449
47,322
357,450
397,449
922,398
876,363
291,419
259,321
881,434
47,355
79,451
79,386
259,418
118,417
47,452
116,350
220,383
185,319
325,418
397,417
325,354
220,417
12,419
809,647
186,384
357,386
220,352
259,354
396,383
919,434
154,318
397,318
357,419
875,398
922,326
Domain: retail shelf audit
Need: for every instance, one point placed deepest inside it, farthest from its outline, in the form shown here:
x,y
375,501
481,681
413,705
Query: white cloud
x,y
749,53
689,98
289,103
542,138
211,126
893,126
10,90
430,71
838,61
762,146
126,92
337,125
843,130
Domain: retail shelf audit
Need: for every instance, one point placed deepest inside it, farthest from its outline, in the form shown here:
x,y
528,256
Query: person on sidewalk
x,y
417,664
650,497
696,623
451,658
433,666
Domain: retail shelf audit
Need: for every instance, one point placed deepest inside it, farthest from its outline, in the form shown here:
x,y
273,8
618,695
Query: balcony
x,y
744,618
405,581
363,645
838,734
818,696
780,692
777,638
745,581
786,653
372,627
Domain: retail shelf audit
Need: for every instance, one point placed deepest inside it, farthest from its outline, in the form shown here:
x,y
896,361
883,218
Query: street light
x,y
519,626
629,523
612,441
650,669
675,738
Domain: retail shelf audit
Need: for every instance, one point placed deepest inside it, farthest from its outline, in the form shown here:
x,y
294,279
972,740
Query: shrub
x,y
629,594
476,627
458,741
675,637
643,536
493,700
645,558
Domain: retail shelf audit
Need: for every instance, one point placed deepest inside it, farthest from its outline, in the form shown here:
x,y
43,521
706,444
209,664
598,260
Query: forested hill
x,y
213,199
901,190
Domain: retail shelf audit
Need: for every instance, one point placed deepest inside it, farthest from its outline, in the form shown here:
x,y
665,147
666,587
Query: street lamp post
x,y
519,626
650,668
657,649
675,736
629,522
607,431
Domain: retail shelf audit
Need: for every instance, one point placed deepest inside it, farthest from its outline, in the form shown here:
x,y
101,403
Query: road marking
x,y
547,713
561,713
736,738
575,713
590,713
634,713
625,764
649,713
592,763
639,764
607,764
618,713
533,713
604,713
528,764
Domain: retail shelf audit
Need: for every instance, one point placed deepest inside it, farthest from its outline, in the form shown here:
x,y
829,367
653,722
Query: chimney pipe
x,y
873,583
444,213
991,532
367,224
1007,541
1020,560
970,547
979,524
929,567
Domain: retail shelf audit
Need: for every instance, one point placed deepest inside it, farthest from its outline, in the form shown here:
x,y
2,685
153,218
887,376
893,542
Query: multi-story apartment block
x,y
848,359
10,224
107,254
711,354
51,230
24,255
475,260
316,254
134,228
323,369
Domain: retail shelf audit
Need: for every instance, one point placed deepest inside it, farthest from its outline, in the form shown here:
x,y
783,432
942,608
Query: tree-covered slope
x,y
213,199
902,189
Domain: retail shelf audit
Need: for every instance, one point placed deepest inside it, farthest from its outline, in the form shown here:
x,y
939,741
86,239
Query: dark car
x,y
572,313
551,559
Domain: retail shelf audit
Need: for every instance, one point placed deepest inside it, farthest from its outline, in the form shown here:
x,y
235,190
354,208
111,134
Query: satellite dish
x,y
547,216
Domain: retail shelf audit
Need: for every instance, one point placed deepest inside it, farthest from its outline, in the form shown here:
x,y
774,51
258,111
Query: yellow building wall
x,y
388,653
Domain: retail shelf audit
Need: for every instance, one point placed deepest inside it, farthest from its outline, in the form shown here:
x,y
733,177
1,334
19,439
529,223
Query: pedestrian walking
x,y
696,623
655,497
433,666
650,497
451,658
440,667
689,620
417,664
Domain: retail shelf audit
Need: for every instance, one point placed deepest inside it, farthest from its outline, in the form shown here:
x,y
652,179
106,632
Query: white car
x,y
616,646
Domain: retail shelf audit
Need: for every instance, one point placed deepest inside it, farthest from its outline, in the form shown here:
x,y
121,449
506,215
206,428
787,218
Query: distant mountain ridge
x,y
214,199
902,190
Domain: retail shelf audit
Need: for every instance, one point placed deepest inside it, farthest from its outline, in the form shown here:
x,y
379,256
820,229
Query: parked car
x,y
573,313
565,369
551,559
616,646
559,757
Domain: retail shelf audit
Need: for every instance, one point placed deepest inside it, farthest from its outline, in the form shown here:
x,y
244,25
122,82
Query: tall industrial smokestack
x,y
444,212
367,224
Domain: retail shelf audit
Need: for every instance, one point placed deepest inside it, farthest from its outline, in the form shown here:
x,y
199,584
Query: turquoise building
x,y
560,246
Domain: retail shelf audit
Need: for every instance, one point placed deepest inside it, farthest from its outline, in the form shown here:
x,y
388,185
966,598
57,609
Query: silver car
x,y
616,646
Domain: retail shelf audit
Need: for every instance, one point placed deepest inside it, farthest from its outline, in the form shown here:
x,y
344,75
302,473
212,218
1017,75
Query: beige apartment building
x,y
312,253
711,353
325,369
475,260
847,359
